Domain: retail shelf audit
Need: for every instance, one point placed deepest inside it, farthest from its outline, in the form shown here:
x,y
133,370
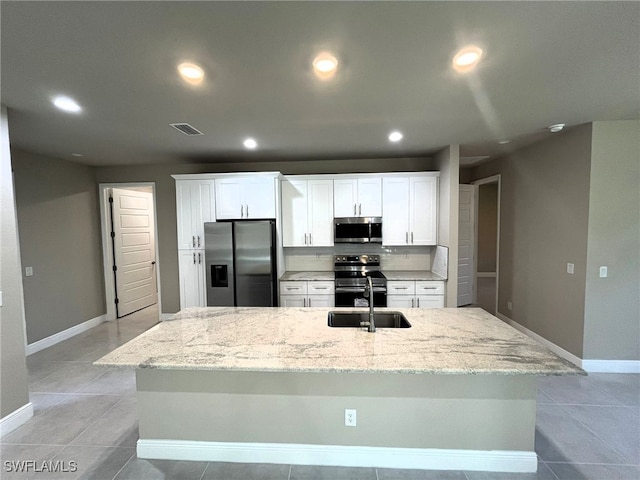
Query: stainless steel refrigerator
x,y
241,263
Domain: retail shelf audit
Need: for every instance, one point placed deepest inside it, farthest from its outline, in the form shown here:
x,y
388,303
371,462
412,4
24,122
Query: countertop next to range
x,y
403,275
462,341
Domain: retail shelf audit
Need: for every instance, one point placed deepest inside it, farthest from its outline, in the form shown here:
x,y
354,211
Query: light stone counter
x,y
440,341
308,276
408,275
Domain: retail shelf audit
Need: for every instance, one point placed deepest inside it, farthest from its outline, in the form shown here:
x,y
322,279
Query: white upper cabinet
x,y
195,206
245,197
307,212
357,197
409,212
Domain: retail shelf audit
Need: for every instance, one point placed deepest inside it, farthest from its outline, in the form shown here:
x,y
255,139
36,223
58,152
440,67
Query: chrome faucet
x,y
368,292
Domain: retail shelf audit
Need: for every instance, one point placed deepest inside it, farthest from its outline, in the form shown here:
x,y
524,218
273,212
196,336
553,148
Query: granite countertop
x,y
407,275
308,276
440,341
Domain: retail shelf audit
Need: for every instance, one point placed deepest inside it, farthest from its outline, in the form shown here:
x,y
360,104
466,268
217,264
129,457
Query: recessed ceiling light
x,y
191,73
395,136
504,142
325,65
556,127
67,104
77,155
250,143
467,58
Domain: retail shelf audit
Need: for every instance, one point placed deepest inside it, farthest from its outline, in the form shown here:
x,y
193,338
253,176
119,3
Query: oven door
x,y
354,297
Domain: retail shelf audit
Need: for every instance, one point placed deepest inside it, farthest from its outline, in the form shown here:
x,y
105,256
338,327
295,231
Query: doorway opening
x,y
129,247
487,241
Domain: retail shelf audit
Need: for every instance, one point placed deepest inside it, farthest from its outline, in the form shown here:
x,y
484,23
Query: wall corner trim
x,y
64,334
18,417
340,455
561,352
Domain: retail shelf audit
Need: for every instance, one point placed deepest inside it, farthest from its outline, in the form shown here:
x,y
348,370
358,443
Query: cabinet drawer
x,y
293,288
321,288
401,288
429,288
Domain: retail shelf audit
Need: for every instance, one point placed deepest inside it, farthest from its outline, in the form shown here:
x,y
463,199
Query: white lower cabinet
x,y
307,293
192,278
415,294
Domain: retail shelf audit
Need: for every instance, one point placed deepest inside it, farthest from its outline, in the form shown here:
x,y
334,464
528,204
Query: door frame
x,y
474,244
483,181
107,252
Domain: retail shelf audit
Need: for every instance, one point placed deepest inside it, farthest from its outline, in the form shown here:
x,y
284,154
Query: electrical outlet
x,y
570,268
350,417
28,271
603,272
509,306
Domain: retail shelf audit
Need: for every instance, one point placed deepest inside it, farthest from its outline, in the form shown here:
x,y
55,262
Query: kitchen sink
x,y
382,319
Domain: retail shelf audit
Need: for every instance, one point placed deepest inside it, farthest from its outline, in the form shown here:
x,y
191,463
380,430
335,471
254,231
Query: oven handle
x,y
358,289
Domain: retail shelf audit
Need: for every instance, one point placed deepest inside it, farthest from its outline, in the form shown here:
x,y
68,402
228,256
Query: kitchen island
x,y
457,390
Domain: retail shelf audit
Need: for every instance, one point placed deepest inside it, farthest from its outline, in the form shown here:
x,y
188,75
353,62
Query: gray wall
x,y
13,370
544,220
612,310
487,227
166,196
59,225
448,163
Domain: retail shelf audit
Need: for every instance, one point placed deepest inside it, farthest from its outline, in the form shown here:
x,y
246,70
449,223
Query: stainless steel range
x,y
351,272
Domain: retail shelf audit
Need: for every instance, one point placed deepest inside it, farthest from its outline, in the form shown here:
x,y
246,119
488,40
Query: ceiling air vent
x,y
186,129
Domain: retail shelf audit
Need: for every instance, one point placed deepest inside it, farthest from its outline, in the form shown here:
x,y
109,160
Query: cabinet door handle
x,y
310,241
320,288
305,238
354,209
304,302
194,258
411,237
402,288
406,237
418,301
412,302
199,258
293,288
241,211
193,241
429,288
247,209
360,209
198,241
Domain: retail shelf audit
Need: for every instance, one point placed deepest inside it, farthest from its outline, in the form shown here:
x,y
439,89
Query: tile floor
x,y
588,428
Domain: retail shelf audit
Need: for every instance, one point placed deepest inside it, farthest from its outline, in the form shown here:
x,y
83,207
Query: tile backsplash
x,y
391,258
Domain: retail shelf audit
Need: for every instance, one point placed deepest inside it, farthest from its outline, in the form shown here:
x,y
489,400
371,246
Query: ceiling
x,y
543,63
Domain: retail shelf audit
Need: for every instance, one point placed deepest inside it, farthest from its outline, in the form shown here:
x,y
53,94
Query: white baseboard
x,y
10,422
611,366
588,365
64,335
167,316
338,455
561,352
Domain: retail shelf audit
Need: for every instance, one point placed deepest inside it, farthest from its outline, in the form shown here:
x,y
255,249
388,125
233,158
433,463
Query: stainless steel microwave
x,y
357,230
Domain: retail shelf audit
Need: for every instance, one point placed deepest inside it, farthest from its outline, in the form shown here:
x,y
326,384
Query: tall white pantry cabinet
x,y
195,205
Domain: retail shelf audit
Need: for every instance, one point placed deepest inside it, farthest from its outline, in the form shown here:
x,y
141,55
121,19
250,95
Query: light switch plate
x,y
28,271
570,268
603,272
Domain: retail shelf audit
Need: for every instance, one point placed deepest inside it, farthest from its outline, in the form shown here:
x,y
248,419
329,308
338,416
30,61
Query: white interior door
x,y
134,250
466,232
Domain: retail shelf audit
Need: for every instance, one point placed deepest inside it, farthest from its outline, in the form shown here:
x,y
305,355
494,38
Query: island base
x,y
417,421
